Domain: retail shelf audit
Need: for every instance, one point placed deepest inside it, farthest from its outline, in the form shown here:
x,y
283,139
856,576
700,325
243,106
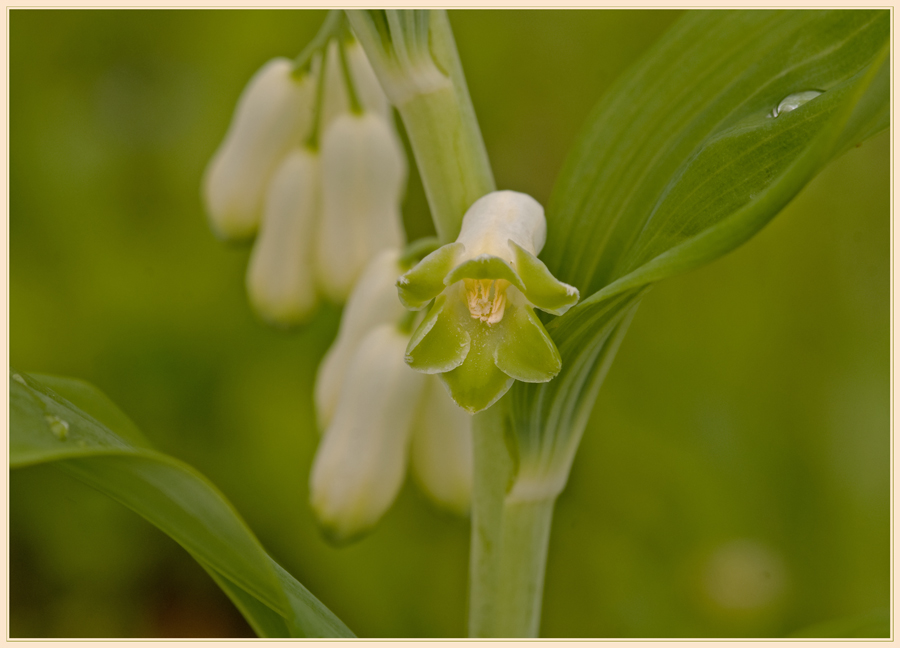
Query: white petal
x,y
494,219
371,96
335,100
360,464
281,274
363,176
442,449
273,115
373,302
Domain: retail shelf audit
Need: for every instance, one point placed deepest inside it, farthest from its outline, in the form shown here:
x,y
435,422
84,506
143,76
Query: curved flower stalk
x,y
378,415
481,332
323,121
274,114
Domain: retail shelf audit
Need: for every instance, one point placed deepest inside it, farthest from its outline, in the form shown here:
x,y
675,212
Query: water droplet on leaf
x,y
58,426
794,101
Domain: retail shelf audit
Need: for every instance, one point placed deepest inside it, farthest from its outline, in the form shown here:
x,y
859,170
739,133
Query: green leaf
x,y
76,433
680,163
549,418
681,157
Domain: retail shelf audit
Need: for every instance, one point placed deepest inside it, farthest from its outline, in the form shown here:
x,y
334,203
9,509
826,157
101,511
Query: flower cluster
x,y
313,167
377,413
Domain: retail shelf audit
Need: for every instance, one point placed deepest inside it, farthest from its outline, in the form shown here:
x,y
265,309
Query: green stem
x,y
523,559
492,471
355,103
414,55
448,156
415,58
509,539
332,24
446,140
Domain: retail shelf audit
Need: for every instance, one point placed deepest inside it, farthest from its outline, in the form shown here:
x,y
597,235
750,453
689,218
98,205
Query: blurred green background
x,y
734,479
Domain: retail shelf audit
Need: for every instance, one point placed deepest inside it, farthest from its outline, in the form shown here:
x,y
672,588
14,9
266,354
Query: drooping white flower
x,y
361,462
372,302
481,332
363,179
274,114
329,228
280,274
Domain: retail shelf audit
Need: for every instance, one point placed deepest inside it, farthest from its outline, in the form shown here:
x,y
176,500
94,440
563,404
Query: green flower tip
x,y
481,332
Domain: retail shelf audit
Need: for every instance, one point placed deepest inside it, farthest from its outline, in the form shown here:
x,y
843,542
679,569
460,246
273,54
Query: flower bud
x,y
481,332
280,275
361,462
273,115
442,449
372,302
363,178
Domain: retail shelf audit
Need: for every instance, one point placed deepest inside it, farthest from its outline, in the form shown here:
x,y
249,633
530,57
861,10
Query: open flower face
x,y
481,332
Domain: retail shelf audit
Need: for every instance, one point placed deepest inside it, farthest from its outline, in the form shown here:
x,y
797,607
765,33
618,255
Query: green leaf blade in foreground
x,y
683,140
75,435
680,163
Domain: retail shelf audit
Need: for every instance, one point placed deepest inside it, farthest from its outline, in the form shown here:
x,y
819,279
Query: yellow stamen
x,y
486,299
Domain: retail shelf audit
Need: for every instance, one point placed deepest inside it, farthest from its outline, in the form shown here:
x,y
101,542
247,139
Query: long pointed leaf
x,y
684,159
686,141
45,427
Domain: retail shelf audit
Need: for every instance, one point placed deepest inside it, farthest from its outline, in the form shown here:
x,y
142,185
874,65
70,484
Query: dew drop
x,y
794,101
19,379
58,426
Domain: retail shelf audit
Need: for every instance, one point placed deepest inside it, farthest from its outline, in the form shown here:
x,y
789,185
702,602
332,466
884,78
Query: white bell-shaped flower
x,y
363,179
441,452
274,114
361,462
372,302
280,275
